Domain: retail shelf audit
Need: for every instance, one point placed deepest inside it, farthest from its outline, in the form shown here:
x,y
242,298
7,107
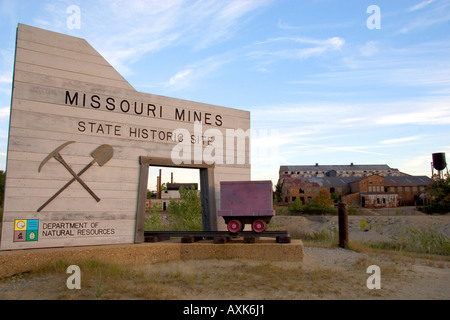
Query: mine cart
x,y
246,202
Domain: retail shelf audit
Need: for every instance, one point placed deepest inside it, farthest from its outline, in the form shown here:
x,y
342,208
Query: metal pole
x,y
343,225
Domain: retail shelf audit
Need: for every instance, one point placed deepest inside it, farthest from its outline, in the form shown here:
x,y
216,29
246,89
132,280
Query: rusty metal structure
x,y
246,202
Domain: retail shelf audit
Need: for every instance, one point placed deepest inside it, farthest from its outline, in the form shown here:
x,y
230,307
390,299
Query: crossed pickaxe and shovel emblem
x,y
101,155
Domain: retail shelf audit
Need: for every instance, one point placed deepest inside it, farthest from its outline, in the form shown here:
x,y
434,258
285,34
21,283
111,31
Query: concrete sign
x,y
82,138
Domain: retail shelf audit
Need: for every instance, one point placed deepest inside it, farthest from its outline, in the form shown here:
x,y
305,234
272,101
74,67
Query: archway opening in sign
x,y
205,185
164,190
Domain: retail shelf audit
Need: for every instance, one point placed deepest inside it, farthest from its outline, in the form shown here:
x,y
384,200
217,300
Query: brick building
x,y
299,188
410,189
361,185
372,193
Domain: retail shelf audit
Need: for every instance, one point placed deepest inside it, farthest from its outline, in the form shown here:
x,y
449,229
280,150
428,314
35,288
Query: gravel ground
x,y
324,273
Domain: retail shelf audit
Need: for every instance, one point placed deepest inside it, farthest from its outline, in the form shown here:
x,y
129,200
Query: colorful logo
x,y
26,230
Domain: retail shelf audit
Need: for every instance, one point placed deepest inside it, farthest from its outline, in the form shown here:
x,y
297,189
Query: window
x,y
301,190
293,199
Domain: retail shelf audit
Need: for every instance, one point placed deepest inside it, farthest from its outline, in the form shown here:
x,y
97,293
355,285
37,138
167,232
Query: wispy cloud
x,y
432,13
400,140
295,47
312,122
140,27
332,25
420,5
190,74
426,115
4,113
370,48
377,64
179,76
6,78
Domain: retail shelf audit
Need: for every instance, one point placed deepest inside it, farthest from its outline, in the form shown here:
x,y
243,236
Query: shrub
x,y
154,223
439,192
351,210
186,213
323,199
363,224
296,206
313,207
424,239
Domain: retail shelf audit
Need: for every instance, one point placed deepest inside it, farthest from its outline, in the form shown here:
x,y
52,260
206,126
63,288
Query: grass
x,y
424,239
221,279
325,238
211,279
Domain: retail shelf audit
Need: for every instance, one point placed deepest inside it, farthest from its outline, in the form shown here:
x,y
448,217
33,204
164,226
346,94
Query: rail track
x,y
217,236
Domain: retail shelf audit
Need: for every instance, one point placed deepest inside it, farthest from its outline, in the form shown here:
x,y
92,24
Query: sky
x,y
325,81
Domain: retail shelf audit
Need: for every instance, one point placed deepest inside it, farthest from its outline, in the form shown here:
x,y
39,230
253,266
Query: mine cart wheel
x,y
234,226
259,226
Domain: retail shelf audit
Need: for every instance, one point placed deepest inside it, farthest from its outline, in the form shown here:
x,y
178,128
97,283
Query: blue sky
x,y
321,86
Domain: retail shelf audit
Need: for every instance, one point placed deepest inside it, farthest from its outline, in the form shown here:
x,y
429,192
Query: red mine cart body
x,y
243,202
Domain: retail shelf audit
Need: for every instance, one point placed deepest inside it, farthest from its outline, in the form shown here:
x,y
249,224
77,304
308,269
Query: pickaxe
x,y
101,155
55,154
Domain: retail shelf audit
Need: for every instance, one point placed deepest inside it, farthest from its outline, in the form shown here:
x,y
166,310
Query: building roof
x,y
319,181
345,167
334,181
391,181
176,186
298,182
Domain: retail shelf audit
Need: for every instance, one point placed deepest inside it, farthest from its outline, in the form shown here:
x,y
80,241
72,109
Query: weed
x,y
424,239
154,222
323,237
363,224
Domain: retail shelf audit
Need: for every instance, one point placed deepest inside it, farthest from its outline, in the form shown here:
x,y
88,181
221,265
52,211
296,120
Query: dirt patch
x,y
324,273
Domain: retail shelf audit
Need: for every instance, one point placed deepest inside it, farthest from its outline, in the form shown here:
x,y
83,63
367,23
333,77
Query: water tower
x,y
439,164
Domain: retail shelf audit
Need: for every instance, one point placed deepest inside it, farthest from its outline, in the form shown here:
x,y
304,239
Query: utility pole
x,y
343,224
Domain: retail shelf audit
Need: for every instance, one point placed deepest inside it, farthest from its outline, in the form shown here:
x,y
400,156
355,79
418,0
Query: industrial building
x,y
351,170
359,185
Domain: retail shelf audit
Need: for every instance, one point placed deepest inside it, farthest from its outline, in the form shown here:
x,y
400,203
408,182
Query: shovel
x,y
101,155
